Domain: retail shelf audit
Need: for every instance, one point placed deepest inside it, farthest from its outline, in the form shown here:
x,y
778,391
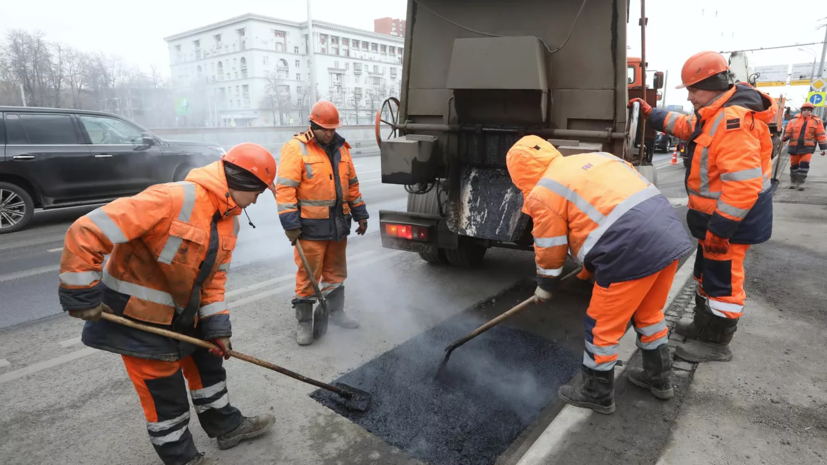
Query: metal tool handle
x,y
311,276
209,345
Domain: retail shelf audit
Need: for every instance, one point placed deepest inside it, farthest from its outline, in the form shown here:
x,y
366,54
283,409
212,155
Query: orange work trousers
x,y
163,396
721,280
614,307
800,164
328,260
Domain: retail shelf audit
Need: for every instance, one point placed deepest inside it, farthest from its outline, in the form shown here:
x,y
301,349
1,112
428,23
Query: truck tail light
x,y
407,231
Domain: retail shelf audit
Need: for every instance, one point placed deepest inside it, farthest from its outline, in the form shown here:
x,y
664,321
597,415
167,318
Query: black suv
x,y
51,158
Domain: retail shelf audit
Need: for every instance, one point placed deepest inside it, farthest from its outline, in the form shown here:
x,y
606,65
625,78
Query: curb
x,y
570,419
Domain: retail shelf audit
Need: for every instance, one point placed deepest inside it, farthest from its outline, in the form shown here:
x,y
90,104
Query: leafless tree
x,y
276,97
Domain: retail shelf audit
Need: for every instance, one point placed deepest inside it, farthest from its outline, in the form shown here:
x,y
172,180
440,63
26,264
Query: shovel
x,y
348,396
321,313
459,342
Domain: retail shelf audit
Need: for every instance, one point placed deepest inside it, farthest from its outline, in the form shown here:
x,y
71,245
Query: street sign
x,y
182,106
771,76
816,98
802,74
820,84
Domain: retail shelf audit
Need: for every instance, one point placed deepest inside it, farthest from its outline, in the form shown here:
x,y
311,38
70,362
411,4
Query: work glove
x,y
541,295
645,108
225,346
293,234
363,226
91,314
585,275
714,244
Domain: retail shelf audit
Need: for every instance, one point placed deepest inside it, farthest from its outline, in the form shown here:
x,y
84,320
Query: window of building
x,y
376,69
282,70
365,45
266,60
198,71
355,44
236,90
298,63
245,92
392,50
178,48
298,76
347,65
217,39
243,67
220,71
336,64
240,32
377,81
295,49
384,49
393,72
43,129
374,47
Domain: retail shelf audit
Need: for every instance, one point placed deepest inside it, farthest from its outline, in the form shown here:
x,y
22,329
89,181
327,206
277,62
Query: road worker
x,y
626,234
318,198
803,132
170,247
730,198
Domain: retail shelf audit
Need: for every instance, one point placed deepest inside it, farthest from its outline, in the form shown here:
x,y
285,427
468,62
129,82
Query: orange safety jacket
x,y
158,241
600,208
317,189
730,151
803,134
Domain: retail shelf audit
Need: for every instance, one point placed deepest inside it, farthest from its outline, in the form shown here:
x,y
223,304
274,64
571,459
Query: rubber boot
x,y
656,374
713,345
701,319
801,179
250,427
304,314
336,306
201,459
793,180
597,391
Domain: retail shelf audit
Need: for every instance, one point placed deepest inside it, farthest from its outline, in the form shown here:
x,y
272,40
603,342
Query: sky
x,y
677,29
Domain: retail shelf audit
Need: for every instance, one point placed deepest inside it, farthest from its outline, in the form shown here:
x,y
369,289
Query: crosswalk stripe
x,y
40,366
69,342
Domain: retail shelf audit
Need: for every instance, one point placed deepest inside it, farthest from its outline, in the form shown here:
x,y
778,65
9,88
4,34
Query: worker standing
x,y
624,232
170,247
318,197
730,197
803,131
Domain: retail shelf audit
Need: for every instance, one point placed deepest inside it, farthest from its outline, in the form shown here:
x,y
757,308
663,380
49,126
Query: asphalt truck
x,y
478,76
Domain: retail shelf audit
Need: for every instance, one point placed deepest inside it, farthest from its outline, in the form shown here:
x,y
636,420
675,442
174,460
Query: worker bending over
x,y
803,132
624,232
170,247
318,197
730,197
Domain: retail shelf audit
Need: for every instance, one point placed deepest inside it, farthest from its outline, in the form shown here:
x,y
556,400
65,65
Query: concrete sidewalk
x,y
769,404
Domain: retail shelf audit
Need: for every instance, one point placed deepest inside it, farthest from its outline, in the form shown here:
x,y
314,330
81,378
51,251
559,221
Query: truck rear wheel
x,y
437,258
467,254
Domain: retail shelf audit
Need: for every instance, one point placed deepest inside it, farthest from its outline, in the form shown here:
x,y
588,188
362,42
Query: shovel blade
x,y
359,400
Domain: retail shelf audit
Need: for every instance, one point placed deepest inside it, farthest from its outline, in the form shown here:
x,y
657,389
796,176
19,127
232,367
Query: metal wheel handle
x,y
389,110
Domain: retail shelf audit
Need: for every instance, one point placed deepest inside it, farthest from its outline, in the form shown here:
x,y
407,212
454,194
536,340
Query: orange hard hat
x,y
807,106
701,66
325,115
255,159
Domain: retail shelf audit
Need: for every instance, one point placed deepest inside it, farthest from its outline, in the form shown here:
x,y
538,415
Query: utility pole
x,y
665,82
821,65
311,44
22,94
642,77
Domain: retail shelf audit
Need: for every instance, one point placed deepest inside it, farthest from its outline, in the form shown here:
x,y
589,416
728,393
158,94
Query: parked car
x,y
663,142
683,152
52,158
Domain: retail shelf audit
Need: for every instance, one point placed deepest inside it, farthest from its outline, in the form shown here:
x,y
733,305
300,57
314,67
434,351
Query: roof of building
x,y
269,19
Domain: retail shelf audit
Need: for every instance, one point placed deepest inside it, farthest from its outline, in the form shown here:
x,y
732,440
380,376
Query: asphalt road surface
x,y
65,403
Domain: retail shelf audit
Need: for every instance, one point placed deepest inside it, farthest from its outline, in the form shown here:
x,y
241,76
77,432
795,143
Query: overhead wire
x,y
488,34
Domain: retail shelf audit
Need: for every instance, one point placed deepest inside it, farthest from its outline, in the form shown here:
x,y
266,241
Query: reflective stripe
x,y
208,391
767,184
283,207
212,309
573,197
357,201
167,424
171,437
327,288
601,350
222,402
108,227
136,290
588,362
170,249
618,211
353,180
708,195
673,118
742,175
549,273
651,329
545,242
732,211
309,169
654,344
287,182
236,226
82,278
225,267
303,148
705,156
718,307
317,203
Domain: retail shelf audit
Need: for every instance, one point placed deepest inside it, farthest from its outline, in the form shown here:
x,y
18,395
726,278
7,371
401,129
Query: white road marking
x,y
27,273
69,342
59,249
40,366
371,180
4,363
366,172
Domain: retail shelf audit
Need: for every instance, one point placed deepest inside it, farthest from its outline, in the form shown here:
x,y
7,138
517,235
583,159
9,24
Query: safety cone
x,y
674,157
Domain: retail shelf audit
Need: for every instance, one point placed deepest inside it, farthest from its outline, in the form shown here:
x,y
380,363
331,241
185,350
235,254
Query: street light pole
x,y
821,65
311,44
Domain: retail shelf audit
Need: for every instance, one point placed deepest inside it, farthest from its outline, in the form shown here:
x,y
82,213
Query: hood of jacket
x,y
213,179
761,106
528,160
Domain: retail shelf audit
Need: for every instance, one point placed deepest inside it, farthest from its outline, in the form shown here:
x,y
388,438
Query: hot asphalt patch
x,y
493,388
